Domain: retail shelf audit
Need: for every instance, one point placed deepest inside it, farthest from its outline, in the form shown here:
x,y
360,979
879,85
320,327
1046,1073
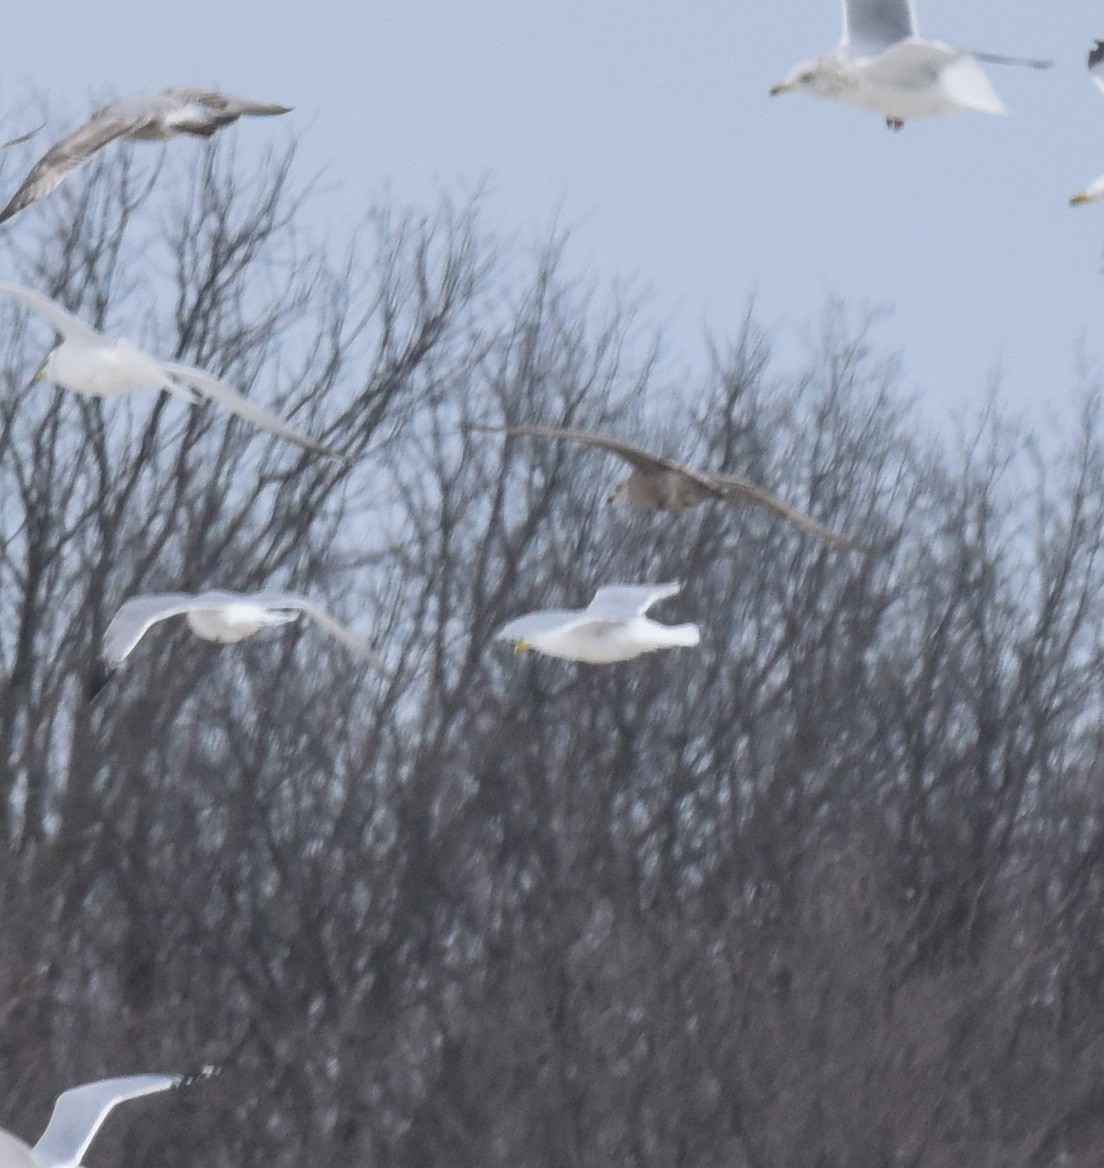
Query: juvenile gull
x,y
77,1116
91,363
611,628
883,64
660,484
154,117
222,617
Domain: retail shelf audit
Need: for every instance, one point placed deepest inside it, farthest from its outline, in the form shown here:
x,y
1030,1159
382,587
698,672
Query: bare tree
x,y
825,891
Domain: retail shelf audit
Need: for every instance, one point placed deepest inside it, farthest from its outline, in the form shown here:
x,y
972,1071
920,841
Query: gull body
x,y
611,628
1094,192
108,369
882,64
155,117
89,362
218,616
77,1116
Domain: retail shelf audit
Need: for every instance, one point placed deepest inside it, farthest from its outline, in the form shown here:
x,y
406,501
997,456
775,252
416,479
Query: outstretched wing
x,y
78,1113
224,104
617,602
63,320
115,120
871,26
321,617
634,455
533,624
220,392
733,488
139,614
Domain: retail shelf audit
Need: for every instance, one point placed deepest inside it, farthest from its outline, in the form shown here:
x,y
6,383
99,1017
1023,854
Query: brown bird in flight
x,y
660,484
153,117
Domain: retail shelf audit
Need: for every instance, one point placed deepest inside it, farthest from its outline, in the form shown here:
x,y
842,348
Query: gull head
x,y
822,77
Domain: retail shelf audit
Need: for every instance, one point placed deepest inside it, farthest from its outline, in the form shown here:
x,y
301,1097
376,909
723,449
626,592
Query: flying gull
x,y
883,64
222,617
1094,192
611,628
77,1116
155,117
660,484
91,363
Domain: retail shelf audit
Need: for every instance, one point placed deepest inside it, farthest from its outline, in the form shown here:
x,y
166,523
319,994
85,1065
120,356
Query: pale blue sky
x,y
646,128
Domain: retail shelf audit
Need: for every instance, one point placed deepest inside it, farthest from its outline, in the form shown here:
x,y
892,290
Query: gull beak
x,y
39,376
522,647
1080,199
781,87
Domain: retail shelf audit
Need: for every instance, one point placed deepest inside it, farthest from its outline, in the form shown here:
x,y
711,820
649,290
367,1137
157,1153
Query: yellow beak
x,y
1077,200
522,647
781,87
39,376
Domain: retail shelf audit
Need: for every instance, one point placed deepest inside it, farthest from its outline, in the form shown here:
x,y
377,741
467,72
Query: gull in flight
x,y
222,617
153,117
611,628
883,64
1094,192
91,363
660,484
77,1116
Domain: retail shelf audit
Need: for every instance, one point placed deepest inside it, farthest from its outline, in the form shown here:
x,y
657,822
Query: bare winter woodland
x,y
826,892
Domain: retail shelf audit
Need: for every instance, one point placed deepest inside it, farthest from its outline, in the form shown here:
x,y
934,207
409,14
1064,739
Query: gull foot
x,y
895,123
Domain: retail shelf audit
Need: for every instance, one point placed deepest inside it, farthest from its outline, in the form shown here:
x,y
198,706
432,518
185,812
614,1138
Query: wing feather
x,y
321,617
62,319
871,26
79,1112
619,602
139,614
633,455
736,488
224,395
114,120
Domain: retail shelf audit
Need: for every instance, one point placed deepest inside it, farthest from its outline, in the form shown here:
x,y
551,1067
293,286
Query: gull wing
x,y
871,26
117,119
1096,64
224,104
549,621
320,616
78,1113
62,320
619,602
220,392
139,614
733,488
633,455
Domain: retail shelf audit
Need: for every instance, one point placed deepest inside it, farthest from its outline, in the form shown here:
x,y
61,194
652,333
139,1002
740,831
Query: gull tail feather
x,y
687,635
965,81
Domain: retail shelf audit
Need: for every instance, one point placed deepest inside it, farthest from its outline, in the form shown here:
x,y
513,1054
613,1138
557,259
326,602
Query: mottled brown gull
x,y
661,484
154,117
